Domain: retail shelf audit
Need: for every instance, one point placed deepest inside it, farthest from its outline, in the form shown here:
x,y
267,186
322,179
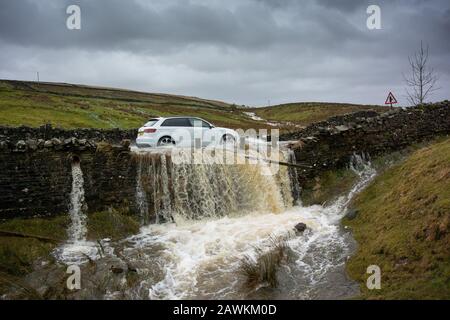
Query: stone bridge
x,y
36,163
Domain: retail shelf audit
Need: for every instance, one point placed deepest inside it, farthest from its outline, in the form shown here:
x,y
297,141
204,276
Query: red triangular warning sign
x,y
391,99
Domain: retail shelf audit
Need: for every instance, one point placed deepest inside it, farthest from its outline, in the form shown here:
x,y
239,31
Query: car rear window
x,y
177,122
151,123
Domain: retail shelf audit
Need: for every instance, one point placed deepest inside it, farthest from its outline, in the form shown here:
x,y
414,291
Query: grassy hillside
x,y
75,106
309,112
403,226
72,106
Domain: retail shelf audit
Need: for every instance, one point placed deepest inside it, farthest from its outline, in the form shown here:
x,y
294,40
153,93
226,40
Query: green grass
x,y
70,106
113,225
76,106
309,112
18,255
403,226
262,270
331,184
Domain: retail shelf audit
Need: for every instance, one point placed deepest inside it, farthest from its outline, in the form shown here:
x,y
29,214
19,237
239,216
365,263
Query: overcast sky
x,y
239,51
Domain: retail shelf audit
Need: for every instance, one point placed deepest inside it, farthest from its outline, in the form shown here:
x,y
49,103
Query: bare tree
x,y
422,80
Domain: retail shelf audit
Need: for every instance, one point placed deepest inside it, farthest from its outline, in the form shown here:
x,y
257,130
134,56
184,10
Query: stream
x,y
207,219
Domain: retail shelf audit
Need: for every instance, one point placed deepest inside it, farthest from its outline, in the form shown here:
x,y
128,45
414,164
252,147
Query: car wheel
x,y
166,141
228,139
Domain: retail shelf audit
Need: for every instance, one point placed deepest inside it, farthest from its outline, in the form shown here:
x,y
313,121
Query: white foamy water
x,y
77,252
77,230
211,217
253,116
198,184
77,249
201,259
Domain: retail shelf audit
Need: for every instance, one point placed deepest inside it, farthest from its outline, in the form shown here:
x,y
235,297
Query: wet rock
x,y
68,142
4,145
75,142
48,144
21,146
71,142
116,270
32,144
342,128
125,143
310,139
55,141
131,268
91,144
351,214
40,143
82,144
300,227
323,130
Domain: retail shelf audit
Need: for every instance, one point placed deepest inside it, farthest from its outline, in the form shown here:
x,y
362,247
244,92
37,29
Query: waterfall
x,y
293,175
200,259
211,216
141,197
77,230
154,197
77,249
169,186
362,166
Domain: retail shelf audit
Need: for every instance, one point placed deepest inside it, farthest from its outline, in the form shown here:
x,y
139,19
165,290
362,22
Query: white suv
x,y
183,132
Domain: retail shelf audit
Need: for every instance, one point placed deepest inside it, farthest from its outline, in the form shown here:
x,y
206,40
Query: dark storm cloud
x,y
346,6
118,24
111,24
244,51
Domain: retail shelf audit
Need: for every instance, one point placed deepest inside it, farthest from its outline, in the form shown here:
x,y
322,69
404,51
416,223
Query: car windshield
x,y
151,123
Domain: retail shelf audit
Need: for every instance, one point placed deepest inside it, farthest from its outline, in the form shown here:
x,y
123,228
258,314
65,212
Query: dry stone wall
x,y
36,176
330,144
36,163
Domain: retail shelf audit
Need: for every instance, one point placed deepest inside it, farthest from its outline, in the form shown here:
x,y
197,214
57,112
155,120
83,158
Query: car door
x,y
207,134
200,129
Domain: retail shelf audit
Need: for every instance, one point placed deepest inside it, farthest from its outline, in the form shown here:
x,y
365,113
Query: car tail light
x,y
149,130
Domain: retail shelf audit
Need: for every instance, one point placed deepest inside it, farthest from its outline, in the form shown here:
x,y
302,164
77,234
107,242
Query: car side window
x,y
199,123
177,122
206,125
